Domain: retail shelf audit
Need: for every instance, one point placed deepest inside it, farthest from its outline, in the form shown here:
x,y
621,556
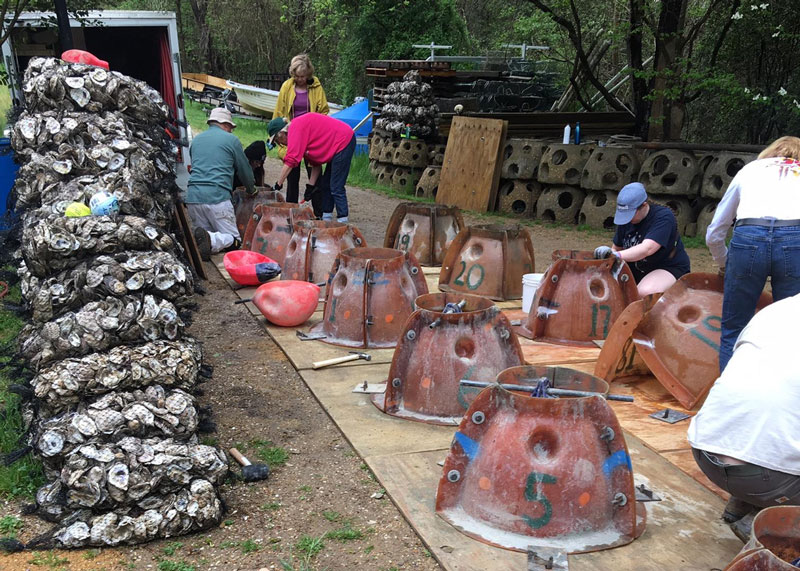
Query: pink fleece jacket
x,y
316,138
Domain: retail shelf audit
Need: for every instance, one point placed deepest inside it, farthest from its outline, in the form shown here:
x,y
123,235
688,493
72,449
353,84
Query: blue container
x,y
8,174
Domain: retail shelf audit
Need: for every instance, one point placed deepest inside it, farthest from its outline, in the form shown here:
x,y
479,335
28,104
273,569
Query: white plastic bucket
x,y
530,283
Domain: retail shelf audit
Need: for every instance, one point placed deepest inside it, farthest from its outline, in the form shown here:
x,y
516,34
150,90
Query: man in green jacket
x,y
216,156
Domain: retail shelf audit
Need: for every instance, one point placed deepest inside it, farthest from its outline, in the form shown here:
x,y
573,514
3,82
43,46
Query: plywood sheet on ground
x,y
472,161
370,431
683,531
538,353
303,353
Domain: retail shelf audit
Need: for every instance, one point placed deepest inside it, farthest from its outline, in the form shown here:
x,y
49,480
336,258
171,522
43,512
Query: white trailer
x,y
141,44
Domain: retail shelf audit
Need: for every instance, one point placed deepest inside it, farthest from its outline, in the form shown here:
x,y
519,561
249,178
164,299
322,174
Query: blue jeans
x,y
756,252
334,178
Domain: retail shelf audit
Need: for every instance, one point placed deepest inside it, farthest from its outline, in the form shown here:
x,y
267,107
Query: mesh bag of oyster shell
x,y
100,476
131,271
153,412
103,152
60,386
100,325
409,107
192,508
55,243
51,84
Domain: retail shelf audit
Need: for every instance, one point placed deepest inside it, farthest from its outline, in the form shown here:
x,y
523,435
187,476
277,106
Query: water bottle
x,y
577,133
566,134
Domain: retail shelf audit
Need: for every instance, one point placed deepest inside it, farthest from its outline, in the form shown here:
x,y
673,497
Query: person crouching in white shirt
x,y
764,199
745,436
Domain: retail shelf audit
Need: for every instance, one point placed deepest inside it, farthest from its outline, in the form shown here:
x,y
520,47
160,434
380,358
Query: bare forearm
x,y
639,252
315,172
284,173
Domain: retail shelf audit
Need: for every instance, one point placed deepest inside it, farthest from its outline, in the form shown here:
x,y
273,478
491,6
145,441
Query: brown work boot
x,y
203,243
736,509
742,528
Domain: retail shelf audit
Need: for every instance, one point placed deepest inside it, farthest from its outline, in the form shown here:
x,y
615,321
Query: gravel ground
x,y
259,401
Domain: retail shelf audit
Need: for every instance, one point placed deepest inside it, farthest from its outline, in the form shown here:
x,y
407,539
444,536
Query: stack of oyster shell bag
x,y
114,419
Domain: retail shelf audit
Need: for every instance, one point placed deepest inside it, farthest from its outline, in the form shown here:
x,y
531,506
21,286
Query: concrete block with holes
x,y
518,197
560,203
720,171
405,179
385,171
682,208
436,154
428,184
671,172
376,145
411,154
611,168
598,209
563,164
521,158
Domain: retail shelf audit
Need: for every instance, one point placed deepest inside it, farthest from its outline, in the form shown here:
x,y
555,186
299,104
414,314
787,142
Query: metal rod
x,y
550,391
364,120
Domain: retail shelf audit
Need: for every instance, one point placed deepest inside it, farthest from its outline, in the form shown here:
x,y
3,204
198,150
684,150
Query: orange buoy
x,y
287,303
81,56
250,268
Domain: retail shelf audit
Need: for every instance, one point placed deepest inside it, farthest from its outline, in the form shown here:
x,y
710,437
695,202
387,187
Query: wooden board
x,y
472,160
507,306
369,430
683,530
538,353
185,228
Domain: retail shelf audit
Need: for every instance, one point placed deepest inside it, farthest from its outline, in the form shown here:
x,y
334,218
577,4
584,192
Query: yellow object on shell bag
x,y
77,210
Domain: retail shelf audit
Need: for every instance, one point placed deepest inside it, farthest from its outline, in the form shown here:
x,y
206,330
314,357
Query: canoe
x,y
262,101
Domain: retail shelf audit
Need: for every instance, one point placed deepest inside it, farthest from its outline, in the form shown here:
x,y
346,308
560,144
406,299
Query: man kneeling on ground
x,y
745,437
217,156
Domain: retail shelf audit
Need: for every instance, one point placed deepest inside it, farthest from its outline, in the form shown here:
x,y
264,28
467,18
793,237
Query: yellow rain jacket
x,y
317,103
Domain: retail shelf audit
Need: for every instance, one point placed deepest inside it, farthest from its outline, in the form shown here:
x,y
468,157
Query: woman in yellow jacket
x,y
300,94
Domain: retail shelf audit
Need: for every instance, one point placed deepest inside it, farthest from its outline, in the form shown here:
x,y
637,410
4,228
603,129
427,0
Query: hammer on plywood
x,y
354,356
250,472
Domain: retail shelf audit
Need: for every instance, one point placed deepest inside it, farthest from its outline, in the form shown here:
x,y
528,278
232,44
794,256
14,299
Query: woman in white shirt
x,y
764,199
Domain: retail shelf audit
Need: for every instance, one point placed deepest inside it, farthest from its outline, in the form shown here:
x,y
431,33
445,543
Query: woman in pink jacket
x,y
320,140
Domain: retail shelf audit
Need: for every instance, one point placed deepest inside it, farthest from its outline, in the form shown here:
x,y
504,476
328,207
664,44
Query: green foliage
x,y
249,546
265,451
23,477
168,565
310,545
10,525
379,29
48,559
331,515
344,534
171,548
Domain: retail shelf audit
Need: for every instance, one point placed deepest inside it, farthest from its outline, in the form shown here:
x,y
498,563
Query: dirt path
x,y
317,510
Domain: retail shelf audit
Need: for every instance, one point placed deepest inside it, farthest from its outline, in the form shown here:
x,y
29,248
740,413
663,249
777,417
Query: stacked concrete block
x,y
598,209
428,184
518,197
560,203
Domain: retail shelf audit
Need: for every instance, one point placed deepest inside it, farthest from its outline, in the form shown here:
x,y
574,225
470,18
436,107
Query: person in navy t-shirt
x,y
647,238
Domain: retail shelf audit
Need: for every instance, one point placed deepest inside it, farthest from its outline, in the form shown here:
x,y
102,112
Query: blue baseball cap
x,y
631,197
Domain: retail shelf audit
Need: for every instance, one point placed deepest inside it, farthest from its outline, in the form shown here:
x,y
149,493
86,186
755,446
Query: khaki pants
x,y
218,220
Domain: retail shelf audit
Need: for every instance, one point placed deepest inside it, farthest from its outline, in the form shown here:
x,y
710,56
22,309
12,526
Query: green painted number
x,y
596,309
533,493
332,316
405,240
472,284
263,242
711,328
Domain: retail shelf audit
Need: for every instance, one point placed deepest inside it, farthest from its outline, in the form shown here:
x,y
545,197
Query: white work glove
x,y
602,252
